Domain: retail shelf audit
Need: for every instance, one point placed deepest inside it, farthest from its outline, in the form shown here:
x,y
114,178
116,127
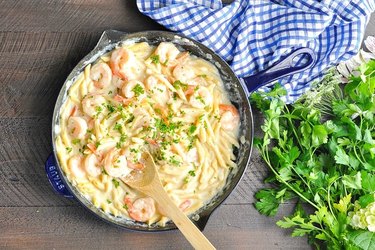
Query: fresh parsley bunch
x,y
321,151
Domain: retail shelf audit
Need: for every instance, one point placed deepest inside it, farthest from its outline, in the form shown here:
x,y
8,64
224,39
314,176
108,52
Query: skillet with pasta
x,y
143,98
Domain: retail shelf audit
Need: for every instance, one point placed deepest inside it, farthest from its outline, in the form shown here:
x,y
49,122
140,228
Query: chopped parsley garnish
x,y
192,173
69,149
178,84
133,150
164,128
155,59
138,90
116,183
176,140
97,144
89,131
82,150
75,141
111,108
175,96
170,115
117,126
109,202
99,109
203,75
125,207
120,108
192,139
161,126
164,144
131,118
123,138
192,129
110,92
199,98
104,172
174,161
186,180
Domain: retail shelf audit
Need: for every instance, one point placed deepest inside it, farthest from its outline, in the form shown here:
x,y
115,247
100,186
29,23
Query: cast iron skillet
x,y
238,93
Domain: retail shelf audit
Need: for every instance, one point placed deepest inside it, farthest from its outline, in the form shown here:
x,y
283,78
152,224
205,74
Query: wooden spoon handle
x,y
188,229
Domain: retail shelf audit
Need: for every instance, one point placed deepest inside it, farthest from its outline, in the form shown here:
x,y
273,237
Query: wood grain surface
x,y
40,42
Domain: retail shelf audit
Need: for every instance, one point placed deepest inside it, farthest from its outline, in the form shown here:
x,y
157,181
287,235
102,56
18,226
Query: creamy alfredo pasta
x,y
143,98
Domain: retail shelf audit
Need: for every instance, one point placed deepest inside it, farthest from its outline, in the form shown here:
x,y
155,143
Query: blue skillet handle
x,y
53,175
280,69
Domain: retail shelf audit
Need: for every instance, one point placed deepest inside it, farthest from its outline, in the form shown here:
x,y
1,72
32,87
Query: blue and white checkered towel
x,y
253,35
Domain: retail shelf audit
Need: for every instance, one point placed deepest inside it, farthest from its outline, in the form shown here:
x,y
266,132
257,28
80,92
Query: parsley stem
x,y
356,154
303,180
292,126
329,198
287,184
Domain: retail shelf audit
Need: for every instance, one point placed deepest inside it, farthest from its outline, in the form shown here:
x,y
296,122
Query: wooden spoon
x,y
147,181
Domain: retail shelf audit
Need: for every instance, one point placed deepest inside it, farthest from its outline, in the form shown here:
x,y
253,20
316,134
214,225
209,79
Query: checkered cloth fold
x,y
253,35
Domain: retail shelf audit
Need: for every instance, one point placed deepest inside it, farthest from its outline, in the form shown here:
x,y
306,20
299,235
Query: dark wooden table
x,y
40,42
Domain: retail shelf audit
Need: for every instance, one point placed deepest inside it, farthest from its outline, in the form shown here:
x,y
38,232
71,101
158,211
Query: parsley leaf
x,y
192,129
267,203
138,90
155,59
116,183
76,141
178,84
192,173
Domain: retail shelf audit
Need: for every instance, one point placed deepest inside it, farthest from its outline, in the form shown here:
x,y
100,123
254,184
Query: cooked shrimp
x,y
151,82
230,117
92,147
120,62
77,127
152,142
115,164
73,111
184,73
141,118
201,98
132,89
91,103
190,90
123,100
101,74
185,205
76,168
159,91
92,165
167,52
135,166
142,209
